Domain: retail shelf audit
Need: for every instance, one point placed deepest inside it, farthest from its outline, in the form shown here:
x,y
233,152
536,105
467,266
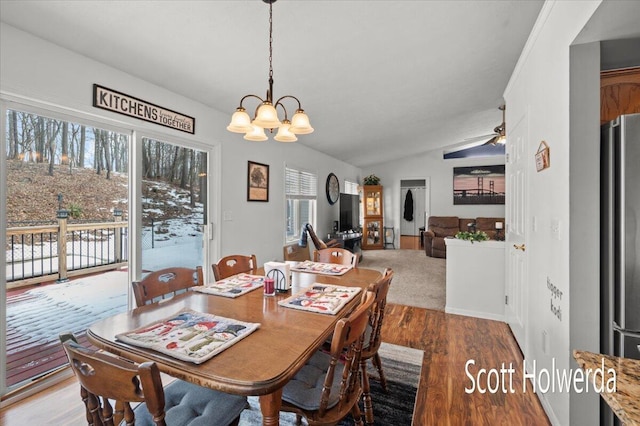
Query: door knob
x,y
519,247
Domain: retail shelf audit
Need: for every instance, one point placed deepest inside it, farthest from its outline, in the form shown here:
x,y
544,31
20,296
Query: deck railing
x,y
58,251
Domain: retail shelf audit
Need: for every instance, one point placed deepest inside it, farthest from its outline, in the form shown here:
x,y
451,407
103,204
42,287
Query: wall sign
x,y
112,100
543,161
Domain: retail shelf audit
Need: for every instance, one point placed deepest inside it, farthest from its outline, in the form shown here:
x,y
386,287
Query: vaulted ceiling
x,y
380,80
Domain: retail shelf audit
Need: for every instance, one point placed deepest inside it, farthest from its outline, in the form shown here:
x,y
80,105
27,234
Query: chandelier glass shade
x,y
266,114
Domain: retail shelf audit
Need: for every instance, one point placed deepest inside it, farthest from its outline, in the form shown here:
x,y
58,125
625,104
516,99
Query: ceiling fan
x,y
499,136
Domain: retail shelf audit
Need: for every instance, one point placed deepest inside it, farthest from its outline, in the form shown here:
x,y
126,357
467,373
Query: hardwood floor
x,y
448,342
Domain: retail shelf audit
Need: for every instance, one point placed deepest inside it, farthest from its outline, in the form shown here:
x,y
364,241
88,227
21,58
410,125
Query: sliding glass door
x,y
66,209
173,205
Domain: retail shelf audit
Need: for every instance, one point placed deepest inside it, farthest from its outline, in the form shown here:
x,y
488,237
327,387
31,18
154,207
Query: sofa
x,y
441,227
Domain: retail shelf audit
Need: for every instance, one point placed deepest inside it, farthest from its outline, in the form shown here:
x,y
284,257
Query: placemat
x,y
321,268
234,286
321,298
189,335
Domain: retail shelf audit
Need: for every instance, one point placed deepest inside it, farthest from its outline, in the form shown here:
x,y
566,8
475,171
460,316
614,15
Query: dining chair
x,y
294,252
336,255
166,283
104,377
373,339
328,386
233,264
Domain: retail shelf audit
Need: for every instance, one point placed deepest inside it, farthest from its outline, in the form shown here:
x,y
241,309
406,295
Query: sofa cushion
x,y
488,223
444,226
192,405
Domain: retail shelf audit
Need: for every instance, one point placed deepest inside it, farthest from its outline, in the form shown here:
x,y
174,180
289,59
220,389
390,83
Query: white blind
x,y
350,187
300,184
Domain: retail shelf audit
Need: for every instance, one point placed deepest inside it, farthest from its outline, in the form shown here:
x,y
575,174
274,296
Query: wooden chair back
x,y
294,252
372,341
380,288
166,283
335,255
234,264
103,376
346,345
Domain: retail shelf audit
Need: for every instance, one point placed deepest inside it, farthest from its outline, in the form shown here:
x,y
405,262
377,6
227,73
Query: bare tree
x,y
64,143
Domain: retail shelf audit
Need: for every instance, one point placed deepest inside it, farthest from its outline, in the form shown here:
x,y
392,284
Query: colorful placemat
x,y
321,268
321,298
234,286
189,335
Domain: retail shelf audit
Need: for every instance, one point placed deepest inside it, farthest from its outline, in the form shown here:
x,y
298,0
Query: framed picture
x,y
478,185
257,182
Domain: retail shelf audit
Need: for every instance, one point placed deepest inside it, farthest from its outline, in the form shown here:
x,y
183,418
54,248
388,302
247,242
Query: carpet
x,y
418,280
401,366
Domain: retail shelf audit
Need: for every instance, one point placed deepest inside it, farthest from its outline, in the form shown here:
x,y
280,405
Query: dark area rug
x,y
401,366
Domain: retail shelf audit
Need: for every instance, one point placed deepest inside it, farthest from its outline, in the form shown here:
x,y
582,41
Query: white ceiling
x,y
380,80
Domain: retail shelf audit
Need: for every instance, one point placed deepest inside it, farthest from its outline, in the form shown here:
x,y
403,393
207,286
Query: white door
x,y
516,234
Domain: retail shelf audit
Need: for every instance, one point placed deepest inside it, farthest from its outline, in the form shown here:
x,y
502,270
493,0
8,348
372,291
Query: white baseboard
x,y
476,314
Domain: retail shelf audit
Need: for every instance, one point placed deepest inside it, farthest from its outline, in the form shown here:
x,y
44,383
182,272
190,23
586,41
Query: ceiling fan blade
x,y
478,138
491,141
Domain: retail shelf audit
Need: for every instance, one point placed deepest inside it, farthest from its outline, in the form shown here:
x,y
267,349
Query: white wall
x,y
439,173
539,88
35,71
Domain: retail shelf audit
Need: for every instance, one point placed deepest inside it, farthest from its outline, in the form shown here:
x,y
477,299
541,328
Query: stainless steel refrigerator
x,y
620,241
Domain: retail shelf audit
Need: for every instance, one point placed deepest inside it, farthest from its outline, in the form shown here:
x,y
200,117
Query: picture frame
x,y
257,182
479,185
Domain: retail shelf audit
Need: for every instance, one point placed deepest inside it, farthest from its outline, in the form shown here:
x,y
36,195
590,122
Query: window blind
x,y
350,187
300,185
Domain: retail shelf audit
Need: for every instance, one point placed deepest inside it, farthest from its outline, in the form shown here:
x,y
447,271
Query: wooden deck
x,y
36,315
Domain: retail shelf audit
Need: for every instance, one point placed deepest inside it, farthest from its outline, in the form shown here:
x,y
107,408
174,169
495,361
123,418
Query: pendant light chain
x,y
271,41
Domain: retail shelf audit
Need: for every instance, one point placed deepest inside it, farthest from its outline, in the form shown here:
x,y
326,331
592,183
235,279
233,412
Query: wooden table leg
x,y
270,406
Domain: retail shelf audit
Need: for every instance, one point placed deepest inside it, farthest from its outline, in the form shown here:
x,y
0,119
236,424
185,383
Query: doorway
x,y
414,199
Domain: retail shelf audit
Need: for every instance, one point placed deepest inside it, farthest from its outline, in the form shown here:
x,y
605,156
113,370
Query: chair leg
x,y
357,415
366,394
377,362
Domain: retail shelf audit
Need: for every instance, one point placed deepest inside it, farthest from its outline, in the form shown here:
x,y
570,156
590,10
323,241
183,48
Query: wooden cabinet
x,y
373,227
619,93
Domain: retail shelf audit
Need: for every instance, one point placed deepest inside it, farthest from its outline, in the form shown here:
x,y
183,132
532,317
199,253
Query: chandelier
x,y
266,114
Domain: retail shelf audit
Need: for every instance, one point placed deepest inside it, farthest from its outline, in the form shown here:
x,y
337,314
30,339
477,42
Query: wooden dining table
x,y
260,364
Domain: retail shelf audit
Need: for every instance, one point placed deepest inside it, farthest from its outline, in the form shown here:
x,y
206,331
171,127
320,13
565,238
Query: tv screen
x,y
349,212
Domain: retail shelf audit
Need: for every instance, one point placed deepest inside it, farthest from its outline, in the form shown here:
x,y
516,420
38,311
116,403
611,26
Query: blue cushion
x,y
187,404
305,389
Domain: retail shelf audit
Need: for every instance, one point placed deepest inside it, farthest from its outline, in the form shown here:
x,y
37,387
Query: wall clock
x,y
333,188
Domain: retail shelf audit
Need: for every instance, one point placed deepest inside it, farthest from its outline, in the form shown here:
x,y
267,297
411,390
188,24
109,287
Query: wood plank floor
x,y
448,341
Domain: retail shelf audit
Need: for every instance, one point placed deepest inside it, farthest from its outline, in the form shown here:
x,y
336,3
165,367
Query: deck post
x,y
117,250
62,216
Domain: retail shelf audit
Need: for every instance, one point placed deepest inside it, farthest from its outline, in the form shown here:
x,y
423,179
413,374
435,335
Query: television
x,y
349,212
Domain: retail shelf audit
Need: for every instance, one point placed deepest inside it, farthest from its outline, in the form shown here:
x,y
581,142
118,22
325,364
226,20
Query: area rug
x,y
401,366
418,280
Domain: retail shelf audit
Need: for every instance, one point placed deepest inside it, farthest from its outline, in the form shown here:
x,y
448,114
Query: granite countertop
x,y
625,402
